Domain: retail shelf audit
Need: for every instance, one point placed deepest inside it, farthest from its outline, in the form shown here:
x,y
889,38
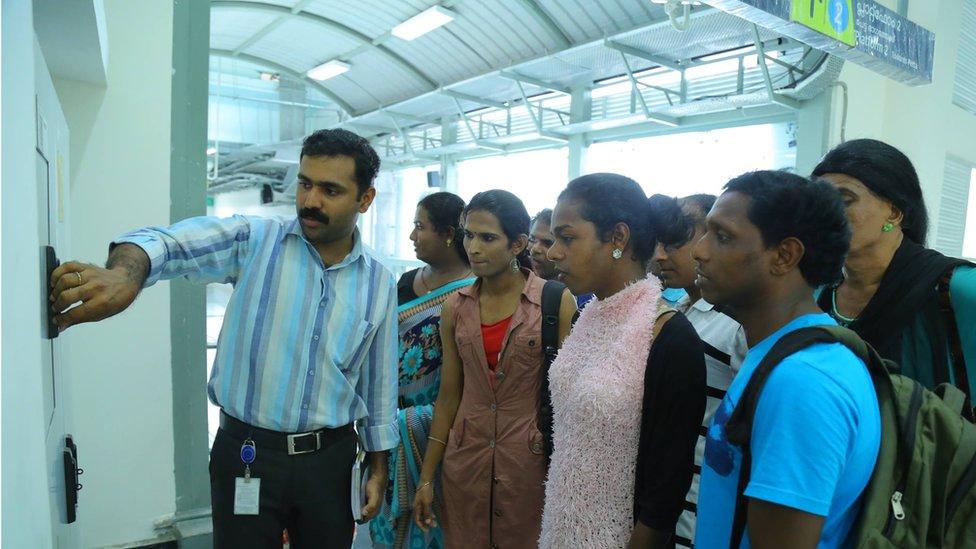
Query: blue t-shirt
x,y
673,295
815,440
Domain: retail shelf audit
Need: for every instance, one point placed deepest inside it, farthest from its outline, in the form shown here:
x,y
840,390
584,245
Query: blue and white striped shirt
x,y
302,346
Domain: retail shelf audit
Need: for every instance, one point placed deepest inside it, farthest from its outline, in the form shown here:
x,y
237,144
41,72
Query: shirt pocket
x,y
345,349
525,352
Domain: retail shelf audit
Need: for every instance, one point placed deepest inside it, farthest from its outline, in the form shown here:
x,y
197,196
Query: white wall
x,y
26,519
921,121
122,390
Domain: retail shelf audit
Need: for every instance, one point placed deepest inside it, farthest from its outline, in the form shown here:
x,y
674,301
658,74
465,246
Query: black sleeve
x,y
405,291
674,403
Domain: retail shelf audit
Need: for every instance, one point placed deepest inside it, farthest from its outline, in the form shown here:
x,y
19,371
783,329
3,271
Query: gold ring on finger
x,y
80,281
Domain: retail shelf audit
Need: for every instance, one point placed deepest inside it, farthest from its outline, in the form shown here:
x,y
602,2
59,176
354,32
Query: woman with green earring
x,y
913,304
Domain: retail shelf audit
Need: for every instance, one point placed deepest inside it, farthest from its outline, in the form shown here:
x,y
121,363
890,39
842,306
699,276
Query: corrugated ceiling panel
x,y
370,17
709,33
301,45
443,57
351,92
230,27
385,79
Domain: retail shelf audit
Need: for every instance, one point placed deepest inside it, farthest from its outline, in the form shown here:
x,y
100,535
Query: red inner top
x,y
494,336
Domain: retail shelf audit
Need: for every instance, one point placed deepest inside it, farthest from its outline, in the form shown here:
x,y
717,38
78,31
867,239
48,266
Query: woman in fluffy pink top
x,y
628,385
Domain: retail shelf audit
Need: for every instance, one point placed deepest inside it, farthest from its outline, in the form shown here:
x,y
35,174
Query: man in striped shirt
x,y
723,338
307,348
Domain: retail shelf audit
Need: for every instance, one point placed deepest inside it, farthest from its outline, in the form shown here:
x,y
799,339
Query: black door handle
x,y
51,262
71,473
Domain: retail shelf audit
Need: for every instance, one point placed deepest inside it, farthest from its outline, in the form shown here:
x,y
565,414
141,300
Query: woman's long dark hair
x,y
444,210
511,214
888,173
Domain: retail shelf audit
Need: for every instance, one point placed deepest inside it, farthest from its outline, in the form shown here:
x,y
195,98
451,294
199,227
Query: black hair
x,y
345,143
511,214
786,205
544,216
607,199
444,210
696,207
888,173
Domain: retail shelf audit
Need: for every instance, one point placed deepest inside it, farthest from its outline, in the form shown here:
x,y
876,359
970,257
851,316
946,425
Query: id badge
x,y
247,495
247,489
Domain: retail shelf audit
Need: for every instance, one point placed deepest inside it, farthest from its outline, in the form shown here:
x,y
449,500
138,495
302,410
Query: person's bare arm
x,y
103,292
772,526
567,310
445,410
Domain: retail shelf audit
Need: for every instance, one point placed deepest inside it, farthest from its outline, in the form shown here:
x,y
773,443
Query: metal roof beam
x,y
656,59
325,22
372,128
342,104
474,136
785,101
410,117
537,120
635,88
473,99
517,77
696,13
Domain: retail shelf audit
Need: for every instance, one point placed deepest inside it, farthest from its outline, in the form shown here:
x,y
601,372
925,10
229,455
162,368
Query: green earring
x,y
888,227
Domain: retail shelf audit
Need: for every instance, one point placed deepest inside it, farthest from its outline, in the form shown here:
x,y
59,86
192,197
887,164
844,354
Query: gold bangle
x,y
435,439
424,485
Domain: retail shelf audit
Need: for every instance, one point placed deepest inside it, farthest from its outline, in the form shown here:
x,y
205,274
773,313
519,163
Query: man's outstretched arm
x,y
103,292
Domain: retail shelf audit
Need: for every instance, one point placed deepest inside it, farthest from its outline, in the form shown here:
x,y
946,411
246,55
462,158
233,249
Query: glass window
x,y
969,240
536,177
696,162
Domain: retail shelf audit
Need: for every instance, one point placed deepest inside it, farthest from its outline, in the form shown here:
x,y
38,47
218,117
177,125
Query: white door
x,y
52,192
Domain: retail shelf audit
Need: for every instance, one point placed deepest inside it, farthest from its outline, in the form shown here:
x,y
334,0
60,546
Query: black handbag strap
x,y
552,294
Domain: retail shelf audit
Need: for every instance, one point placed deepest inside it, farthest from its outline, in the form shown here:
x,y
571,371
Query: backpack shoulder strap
x,y
952,332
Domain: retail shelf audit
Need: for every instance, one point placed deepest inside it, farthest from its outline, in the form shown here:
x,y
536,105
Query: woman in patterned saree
x,y
420,294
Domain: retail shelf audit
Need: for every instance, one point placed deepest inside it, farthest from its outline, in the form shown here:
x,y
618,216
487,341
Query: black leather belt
x,y
292,443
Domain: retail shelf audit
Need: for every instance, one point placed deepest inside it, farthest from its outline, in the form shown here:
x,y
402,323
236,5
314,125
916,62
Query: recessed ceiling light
x,y
422,23
328,70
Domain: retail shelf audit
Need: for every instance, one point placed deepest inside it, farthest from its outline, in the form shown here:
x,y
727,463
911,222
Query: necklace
x,y
836,312
423,280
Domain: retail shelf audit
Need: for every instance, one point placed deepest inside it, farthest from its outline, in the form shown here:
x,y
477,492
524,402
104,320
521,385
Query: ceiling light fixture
x,y
422,23
270,76
329,69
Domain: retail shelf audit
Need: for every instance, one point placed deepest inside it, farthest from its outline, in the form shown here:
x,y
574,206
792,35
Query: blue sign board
x,y
886,42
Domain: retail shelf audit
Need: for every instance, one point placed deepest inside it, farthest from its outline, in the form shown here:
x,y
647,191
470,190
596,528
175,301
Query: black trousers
x,y
307,493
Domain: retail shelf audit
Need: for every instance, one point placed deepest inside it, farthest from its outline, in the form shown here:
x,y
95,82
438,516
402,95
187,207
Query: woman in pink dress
x,y
628,385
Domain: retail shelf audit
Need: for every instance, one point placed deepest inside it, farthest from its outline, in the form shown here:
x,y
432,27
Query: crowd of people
x,y
564,380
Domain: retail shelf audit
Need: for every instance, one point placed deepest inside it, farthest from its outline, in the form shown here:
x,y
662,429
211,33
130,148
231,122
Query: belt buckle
x,y
291,443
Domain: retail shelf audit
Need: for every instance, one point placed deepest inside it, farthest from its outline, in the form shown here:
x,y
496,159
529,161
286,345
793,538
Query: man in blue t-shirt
x,y
772,238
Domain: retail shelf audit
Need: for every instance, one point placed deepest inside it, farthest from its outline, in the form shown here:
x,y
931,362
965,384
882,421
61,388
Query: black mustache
x,y
314,215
